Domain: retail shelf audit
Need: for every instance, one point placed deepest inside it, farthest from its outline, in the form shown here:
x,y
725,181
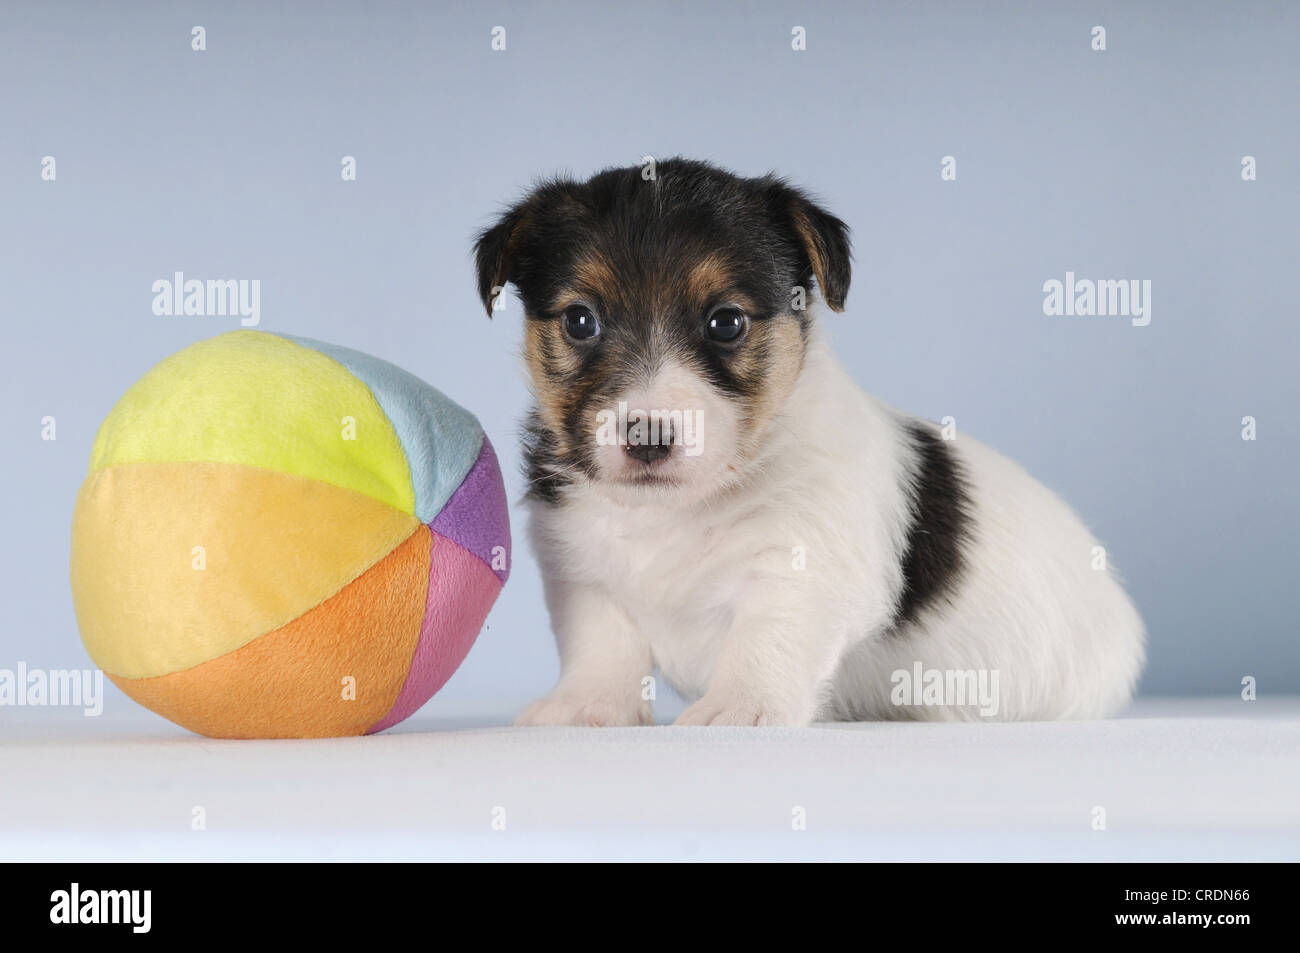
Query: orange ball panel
x,y
291,683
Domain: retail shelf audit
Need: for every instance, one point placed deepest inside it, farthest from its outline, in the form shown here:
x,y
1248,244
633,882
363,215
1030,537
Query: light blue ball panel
x,y
441,438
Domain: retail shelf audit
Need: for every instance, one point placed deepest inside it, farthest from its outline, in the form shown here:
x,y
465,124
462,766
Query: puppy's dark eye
x,y
726,324
580,322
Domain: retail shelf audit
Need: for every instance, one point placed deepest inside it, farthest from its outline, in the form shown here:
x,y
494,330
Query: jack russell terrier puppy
x,y
711,495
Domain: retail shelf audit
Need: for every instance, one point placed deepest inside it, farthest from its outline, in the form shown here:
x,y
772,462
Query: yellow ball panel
x,y
261,400
174,564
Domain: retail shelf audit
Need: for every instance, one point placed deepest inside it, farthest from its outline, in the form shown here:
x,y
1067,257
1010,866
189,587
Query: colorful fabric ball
x,y
284,538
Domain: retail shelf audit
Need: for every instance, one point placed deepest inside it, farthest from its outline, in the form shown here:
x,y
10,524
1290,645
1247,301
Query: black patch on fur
x,y
542,469
717,368
934,559
769,232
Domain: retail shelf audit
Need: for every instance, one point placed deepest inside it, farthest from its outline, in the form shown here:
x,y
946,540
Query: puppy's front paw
x,y
599,710
736,708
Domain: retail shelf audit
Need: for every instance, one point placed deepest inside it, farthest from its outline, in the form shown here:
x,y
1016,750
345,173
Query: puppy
x,y
713,497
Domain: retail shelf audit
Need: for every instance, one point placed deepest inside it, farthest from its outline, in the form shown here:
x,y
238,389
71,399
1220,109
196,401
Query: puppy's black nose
x,y
649,453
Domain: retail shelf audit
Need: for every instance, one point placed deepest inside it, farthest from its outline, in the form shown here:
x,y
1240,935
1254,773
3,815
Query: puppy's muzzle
x,y
651,452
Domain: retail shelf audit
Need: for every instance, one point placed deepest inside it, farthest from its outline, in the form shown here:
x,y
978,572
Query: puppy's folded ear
x,y
494,253
824,239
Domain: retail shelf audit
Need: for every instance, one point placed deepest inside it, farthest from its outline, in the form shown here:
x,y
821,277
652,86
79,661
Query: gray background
x,y
1122,164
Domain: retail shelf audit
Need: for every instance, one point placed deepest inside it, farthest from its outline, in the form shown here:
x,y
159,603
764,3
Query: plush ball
x,y
284,538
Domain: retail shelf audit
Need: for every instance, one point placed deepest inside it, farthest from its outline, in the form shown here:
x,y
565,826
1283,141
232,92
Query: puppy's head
x,y
666,320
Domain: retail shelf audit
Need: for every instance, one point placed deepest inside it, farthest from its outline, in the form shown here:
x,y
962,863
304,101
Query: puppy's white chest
x,y
677,581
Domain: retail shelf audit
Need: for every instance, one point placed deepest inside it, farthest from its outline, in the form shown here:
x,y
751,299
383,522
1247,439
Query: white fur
x,y
705,586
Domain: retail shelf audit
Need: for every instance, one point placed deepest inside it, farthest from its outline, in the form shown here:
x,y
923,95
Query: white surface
x,y
1194,779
